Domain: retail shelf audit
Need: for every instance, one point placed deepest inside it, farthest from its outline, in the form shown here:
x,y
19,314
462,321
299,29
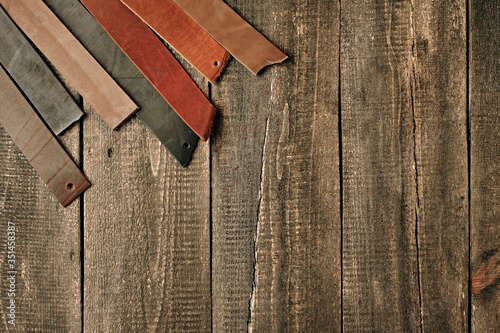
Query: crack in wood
x,y
251,302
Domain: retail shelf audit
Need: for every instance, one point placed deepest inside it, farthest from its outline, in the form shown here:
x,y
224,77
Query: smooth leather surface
x,y
27,68
244,43
157,64
64,51
38,144
155,112
183,34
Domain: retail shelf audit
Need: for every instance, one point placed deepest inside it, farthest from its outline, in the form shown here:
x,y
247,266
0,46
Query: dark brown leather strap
x,y
157,64
244,43
38,144
183,34
74,62
31,73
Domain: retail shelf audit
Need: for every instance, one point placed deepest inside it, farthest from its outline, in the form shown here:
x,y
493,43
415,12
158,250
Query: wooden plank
x,y
405,227
439,48
485,155
275,178
47,245
146,234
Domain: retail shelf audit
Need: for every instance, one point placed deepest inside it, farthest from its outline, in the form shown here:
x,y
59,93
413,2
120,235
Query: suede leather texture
x,y
71,59
157,64
38,144
238,37
183,34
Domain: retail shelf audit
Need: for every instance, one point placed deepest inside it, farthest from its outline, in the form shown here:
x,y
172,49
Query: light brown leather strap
x,y
38,144
71,59
183,34
157,64
244,43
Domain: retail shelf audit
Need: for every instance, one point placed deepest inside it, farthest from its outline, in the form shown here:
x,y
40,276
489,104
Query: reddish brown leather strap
x,y
157,64
244,43
38,144
183,34
71,59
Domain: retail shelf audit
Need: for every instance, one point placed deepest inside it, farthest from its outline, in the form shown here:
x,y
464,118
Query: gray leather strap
x,y
27,68
71,59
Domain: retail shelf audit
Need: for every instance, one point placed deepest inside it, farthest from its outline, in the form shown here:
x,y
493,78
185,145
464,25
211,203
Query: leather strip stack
x,y
244,43
155,112
183,34
156,63
30,72
71,59
37,143
122,39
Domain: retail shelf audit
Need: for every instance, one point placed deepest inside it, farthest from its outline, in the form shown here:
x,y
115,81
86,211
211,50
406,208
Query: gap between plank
x,y
468,120
341,170
82,214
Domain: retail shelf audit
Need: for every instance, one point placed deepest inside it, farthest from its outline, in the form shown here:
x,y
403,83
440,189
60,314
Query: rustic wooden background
x,y
354,188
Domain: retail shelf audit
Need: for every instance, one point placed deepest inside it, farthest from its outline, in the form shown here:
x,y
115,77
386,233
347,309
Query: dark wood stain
x,y
484,33
353,188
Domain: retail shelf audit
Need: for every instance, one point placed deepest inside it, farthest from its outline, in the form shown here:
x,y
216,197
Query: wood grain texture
x,y
146,234
275,178
439,49
485,155
405,248
47,245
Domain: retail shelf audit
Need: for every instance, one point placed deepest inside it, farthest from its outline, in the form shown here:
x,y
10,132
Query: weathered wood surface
x,y
334,195
485,155
275,178
146,233
47,245
405,235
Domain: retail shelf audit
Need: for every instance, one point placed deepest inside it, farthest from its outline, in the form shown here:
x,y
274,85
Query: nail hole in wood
x,y
70,186
110,152
216,63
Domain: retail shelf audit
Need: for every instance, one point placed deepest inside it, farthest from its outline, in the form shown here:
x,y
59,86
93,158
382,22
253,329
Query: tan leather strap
x,y
31,73
244,43
183,34
71,59
157,64
38,144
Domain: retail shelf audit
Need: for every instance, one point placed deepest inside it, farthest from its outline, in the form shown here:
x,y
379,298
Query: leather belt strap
x,y
71,59
31,73
38,144
155,112
244,43
183,34
157,64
